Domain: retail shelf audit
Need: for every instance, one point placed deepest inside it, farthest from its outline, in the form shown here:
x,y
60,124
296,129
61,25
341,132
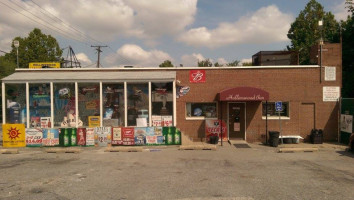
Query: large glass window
x,y
138,104
162,104
201,110
272,112
89,104
40,107
113,104
15,98
64,105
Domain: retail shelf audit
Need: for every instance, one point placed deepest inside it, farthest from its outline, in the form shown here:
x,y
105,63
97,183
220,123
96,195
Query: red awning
x,y
243,94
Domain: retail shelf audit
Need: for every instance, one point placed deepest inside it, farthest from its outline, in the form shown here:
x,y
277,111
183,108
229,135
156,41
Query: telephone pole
x,y
98,49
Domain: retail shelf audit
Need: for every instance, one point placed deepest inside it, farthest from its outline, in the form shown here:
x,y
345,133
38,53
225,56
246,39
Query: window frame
x,y
201,117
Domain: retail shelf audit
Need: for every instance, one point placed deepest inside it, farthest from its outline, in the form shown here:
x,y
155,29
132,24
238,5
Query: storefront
x,y
232,102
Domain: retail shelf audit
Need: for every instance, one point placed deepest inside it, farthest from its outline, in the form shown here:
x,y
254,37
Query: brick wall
x,y
295,85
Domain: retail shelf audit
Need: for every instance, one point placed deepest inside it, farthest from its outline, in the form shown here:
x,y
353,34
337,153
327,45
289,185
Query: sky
x,y
144,33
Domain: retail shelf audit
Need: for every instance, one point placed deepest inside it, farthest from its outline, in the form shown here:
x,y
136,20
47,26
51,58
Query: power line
x,y
55,18
65,35
98,48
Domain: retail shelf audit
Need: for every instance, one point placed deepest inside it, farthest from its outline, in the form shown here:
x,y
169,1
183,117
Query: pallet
x,y
9,151
198,147
63,150
124,149
292,150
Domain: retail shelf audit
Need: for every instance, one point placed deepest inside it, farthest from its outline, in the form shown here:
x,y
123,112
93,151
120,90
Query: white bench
x,y
297,137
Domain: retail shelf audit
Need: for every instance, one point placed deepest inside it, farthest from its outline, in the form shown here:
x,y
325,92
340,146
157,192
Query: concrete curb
x,y
63,150
9,151
198,147
291,150
124,149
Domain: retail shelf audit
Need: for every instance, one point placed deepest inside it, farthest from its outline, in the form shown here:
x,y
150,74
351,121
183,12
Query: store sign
x,y
212,128
243,94
197,76
330,73
39,65
331,93
14,135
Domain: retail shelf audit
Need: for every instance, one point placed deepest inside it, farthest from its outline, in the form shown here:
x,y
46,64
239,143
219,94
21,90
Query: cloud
x,y
191,60
246,60
266,25
84,60
131,54
340,12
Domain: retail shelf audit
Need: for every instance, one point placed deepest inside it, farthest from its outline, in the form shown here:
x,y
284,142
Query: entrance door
x,y
236,119
307,119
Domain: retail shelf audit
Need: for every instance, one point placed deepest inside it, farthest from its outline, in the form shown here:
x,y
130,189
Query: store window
x,y
162,104
138,104
89,104
40,106
113,104
272,112
201,110
64,105
15,98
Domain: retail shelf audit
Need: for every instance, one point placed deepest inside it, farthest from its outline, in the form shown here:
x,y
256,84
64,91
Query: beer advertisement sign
x,y
14,135
213,128
117,138
34,137
197,76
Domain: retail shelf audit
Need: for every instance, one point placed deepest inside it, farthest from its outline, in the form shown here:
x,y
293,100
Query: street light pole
x,y
17,44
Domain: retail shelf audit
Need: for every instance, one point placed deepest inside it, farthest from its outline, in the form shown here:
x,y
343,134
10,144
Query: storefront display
x,y
15,100
39,101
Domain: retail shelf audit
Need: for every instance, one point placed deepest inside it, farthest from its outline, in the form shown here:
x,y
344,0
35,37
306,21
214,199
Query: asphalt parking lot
x,y
258,172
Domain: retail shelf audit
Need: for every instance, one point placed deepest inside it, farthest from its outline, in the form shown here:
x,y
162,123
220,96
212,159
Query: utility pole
x,y
98,48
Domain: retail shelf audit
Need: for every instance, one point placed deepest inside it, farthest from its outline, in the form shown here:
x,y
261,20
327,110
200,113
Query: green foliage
x,y
233,63
37,47
218,65
6,67
349,5
205,63
305,31
166,63
247,64
348,54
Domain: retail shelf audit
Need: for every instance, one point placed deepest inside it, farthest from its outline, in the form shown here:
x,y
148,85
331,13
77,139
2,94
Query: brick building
x,y
192,97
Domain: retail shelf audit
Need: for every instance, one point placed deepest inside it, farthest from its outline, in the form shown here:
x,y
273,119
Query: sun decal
x,y
13,133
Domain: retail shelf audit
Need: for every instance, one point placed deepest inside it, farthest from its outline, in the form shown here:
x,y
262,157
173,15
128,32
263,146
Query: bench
x,y
287,139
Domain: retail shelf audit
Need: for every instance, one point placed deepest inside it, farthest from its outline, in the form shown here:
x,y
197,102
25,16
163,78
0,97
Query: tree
x,y
218,65
205,63
233,63
37,47
348,53
305,31
247,64
166,63
6,67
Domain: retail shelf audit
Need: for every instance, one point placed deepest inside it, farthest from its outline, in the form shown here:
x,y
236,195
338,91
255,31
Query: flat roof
x,y
21,76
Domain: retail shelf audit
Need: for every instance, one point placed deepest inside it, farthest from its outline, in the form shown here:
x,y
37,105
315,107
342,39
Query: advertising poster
x,y
117,137
45,122
81,136
128,135
34,137
212,128
90,136
35,122
346,123
157,130
140,135
168,133
14,135
151,140
50,137
160,139
156,120
167,120
94,121
103,136
150,131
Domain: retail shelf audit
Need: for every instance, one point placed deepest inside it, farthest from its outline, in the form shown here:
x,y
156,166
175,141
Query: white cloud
x,y
131,54
83,59
340,12
266,25
222,61
191,60
246,60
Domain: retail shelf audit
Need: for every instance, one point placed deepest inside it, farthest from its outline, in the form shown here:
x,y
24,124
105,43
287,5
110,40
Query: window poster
x,y
102,136
167,120
81,136
156,120
90,136
128,136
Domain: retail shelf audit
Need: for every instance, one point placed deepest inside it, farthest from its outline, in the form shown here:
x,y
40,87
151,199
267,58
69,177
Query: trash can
x,y
316,136
274,138
214,139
